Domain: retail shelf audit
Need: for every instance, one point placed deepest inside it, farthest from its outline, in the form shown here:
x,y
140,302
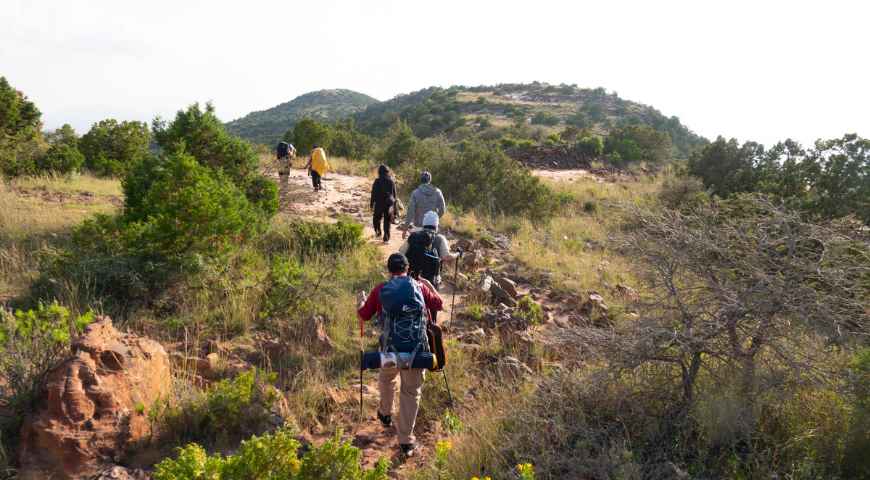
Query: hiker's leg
x,y
387,223
387,378
376,218
409,403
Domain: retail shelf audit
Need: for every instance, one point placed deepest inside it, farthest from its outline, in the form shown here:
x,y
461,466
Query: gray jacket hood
x,y
428,190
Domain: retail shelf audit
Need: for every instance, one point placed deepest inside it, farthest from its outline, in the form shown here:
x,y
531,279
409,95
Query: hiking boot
x,y
386,420
386,239
408,449
377,233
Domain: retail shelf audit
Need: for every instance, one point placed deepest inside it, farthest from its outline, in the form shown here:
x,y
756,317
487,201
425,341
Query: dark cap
x,y
397,263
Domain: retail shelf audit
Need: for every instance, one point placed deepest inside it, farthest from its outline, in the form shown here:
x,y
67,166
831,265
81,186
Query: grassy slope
x,y
267,127
421,107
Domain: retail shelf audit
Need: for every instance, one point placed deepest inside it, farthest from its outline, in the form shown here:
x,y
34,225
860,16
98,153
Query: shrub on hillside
x,y
479,177
508,142
544,118
110,148
526,144
591,145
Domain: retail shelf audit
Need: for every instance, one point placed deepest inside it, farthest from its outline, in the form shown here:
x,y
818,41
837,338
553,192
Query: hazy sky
x,y
755,70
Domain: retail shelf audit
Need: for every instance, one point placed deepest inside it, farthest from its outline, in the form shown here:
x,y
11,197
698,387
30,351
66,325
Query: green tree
x,y
308,133
203,136
839,174
579,120
63,155
572,134
110,148
400,146
544,118
20,138
655,146
592,145
628,150
595,111
727,167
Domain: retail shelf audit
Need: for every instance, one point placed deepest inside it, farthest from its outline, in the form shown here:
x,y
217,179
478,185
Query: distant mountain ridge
x,y
267,127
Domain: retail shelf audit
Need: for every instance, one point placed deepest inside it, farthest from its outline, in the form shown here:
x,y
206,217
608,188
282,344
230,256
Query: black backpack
x,y
283,149
423,259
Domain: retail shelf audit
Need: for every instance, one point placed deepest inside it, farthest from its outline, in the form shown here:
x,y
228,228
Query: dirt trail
x,y
350,194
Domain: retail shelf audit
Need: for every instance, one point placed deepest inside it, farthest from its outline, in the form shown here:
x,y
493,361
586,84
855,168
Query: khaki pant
x,y
409,398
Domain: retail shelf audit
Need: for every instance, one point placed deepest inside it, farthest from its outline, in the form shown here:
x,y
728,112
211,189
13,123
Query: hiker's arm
x,y
433,300
370,307
450,257
409,216
374,194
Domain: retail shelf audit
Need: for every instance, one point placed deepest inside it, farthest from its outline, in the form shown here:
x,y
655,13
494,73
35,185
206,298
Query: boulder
x,y
487,244
501,296
192,365
511,366
628,293
473,260
88,421
507,285
314,334
485,284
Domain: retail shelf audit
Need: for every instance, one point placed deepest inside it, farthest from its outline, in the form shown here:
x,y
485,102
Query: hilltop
x,y
268,126
460,112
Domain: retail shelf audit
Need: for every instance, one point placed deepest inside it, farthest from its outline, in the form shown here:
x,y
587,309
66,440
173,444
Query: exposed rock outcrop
x,y
89,421
558,157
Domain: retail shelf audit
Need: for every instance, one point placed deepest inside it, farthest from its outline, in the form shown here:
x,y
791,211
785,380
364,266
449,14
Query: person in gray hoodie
x,y
425,198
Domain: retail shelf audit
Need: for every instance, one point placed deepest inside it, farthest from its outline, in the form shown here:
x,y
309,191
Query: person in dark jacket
x,y
383,196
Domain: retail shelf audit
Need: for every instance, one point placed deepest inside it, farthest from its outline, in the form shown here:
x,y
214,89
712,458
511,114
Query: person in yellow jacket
x,y
317,166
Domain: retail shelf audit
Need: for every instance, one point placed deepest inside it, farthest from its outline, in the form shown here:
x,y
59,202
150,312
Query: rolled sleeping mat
x,y
375,360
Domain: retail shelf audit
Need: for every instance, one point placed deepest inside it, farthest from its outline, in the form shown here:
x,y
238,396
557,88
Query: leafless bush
x,y
738,287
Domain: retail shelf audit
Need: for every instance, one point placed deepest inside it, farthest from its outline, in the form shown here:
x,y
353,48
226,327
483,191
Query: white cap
x,y
430,219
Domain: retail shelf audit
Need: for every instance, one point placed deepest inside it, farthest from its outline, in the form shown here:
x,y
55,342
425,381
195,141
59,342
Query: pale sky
x,y
754,70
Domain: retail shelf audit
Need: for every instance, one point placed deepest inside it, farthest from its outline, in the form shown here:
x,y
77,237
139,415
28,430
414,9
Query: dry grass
x,y
36,213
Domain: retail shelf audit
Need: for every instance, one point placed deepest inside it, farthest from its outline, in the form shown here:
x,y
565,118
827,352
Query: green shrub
x,y
312,236
272,457
591,145
481,177
200,134
481,100
554,138
111,148
229,407
508,142
544,118
63,156
526,144
566,197
195,209
309,132
627,150
32,344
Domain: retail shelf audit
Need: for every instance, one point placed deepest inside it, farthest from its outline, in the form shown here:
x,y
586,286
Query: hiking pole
x,y
360,369
452,307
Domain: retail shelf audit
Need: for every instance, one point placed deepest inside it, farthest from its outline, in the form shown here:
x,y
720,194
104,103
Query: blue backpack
x,y
403,325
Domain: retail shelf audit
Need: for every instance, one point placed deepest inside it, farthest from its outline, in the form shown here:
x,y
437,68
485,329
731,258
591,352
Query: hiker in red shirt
x,y
402,302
